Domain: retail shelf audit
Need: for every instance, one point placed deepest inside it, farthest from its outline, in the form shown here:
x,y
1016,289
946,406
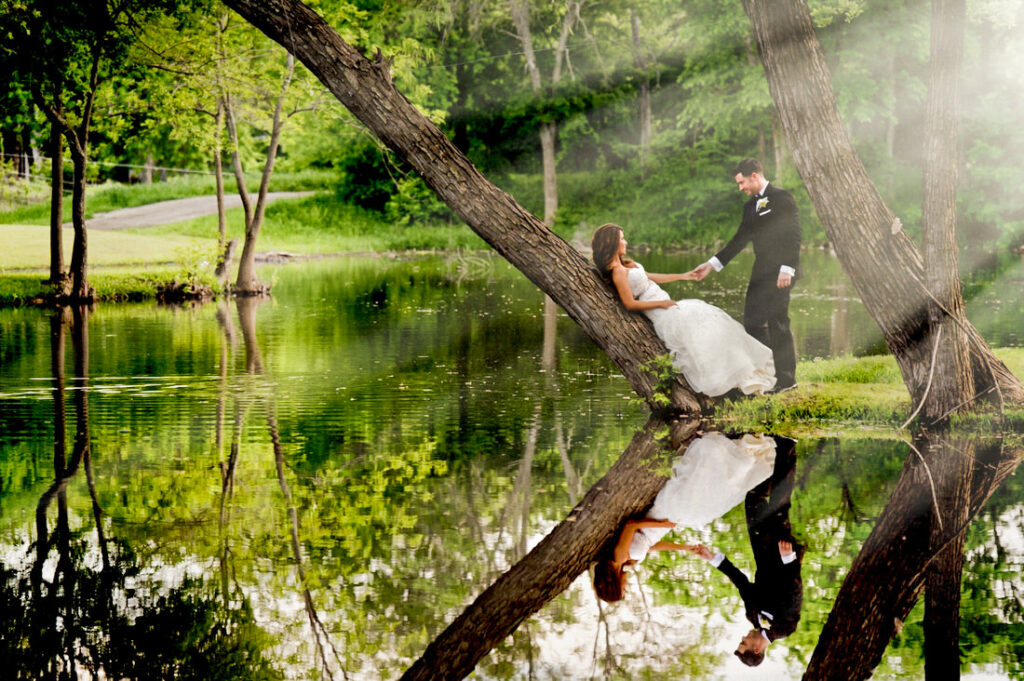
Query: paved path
x,y
173,211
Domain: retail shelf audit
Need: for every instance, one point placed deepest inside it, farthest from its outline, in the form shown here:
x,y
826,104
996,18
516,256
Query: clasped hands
x,y
785,549
700,271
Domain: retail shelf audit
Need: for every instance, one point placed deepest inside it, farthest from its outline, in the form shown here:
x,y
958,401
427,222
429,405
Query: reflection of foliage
x,y
89,621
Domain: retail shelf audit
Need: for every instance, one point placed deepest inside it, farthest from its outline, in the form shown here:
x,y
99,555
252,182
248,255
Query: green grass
x,y
321,224
847,394
28,247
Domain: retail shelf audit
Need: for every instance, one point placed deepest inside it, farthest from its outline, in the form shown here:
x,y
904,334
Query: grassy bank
x,y
837,396
115,284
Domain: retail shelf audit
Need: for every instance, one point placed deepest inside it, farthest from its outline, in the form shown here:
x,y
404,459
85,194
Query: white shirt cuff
x,y
716,263
717,560
788,558
786,269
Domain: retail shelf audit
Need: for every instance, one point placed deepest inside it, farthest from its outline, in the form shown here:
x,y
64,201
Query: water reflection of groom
x,y
773,600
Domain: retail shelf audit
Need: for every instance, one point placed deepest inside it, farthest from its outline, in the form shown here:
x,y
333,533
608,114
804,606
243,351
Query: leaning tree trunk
x,y
551,567
550,263
952,384
880,259
889,573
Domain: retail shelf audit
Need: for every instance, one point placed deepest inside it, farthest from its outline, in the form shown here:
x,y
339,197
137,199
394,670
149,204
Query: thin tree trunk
x,y
884,265
57,208
952,382
80,290
246,282
218,174
366,89
644,95
565,553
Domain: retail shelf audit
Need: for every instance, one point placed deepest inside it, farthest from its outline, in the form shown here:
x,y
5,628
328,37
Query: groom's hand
x,y
784,280
701,271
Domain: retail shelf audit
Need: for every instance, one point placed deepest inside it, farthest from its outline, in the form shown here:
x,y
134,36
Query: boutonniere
x,y
762,203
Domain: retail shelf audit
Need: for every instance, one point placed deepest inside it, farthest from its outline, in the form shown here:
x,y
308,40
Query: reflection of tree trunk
x,y
227,470
882,262
366,89
321,635
626,490
839,335
942,587
247,319
890,571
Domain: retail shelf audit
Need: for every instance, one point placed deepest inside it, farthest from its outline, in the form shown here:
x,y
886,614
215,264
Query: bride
x,y
711,349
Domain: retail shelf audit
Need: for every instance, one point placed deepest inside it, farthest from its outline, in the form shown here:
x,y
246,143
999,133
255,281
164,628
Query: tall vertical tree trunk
x,y
883,264
218,174
57,209
520,10
644,95
78,270
952,383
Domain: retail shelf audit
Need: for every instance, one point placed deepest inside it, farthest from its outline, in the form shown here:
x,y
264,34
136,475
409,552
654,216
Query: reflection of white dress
x,y
709,479
711,349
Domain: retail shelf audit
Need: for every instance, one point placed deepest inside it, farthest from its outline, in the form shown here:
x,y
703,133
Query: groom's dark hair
x,y
748,167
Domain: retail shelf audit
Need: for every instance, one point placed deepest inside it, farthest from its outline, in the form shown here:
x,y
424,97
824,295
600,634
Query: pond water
x,y
316,485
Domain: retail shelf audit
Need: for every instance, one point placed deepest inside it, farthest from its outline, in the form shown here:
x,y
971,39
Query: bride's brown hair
x,y
604,245
608,582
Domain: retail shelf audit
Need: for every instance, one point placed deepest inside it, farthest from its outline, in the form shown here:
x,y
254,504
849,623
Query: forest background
x,y
653,103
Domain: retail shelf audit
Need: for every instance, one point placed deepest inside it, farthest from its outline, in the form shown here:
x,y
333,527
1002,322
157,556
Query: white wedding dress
x,y
708,480
711,349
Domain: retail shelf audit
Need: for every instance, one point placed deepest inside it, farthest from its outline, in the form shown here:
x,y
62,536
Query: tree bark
x,y
56,208
952,384
626,490
889,573
550,263
882,262
218,174
78,270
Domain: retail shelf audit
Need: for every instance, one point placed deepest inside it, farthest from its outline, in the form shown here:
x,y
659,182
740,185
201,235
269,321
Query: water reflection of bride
x,y
709,479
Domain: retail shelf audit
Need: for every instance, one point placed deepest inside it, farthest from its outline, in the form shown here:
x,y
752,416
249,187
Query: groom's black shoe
x,y
782,389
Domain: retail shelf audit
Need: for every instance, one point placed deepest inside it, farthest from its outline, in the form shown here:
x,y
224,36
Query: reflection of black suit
x,y
774,229
776,594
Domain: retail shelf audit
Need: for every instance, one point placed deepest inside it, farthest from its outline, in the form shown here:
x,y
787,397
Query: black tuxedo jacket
x,y
772,222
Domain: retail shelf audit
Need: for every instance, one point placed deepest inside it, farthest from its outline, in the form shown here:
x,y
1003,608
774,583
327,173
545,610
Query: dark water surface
x,y
315,485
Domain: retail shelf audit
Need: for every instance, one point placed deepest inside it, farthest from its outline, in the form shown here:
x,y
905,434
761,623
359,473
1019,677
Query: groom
x,y
771,221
